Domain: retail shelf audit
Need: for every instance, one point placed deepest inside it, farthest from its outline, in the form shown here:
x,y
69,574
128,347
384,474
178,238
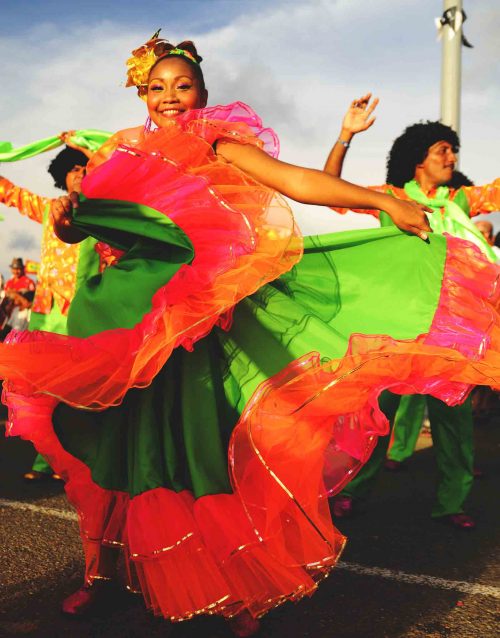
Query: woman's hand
x,y
61,210
358,117
410,217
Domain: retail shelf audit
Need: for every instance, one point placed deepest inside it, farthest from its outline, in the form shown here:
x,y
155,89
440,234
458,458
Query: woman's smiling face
x,y
173,89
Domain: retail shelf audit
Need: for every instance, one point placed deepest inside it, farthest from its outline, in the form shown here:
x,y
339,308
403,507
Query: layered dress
x,y
221,379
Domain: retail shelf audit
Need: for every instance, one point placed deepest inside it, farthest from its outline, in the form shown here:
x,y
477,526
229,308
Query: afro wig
x,y
63,163
411,148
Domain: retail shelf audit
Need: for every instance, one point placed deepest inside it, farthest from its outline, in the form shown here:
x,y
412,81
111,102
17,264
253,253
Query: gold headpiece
x,y
143,58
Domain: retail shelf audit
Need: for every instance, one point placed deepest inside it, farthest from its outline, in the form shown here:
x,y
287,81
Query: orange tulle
x,y
243,235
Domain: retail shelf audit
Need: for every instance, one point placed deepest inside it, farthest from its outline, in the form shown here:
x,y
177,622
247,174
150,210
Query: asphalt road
x,y
402,574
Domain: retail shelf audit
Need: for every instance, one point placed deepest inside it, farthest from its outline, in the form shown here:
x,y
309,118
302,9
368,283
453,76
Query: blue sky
x,y
202,15
298,63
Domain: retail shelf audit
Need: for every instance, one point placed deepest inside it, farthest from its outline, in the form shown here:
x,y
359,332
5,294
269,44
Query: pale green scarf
x,y
448,217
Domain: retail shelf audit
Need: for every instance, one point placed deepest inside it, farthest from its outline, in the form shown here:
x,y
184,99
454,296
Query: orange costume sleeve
x,y
26,202
58,261
483,199
368,211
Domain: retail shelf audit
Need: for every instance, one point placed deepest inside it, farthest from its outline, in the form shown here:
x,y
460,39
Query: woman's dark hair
x,y
162,49
411,148
63,163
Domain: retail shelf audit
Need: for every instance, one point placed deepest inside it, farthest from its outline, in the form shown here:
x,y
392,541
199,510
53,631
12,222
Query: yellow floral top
x,y
57,274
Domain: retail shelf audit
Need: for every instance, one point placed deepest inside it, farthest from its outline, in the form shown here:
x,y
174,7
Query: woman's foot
x,y
244,624
395,466
342,506
87,599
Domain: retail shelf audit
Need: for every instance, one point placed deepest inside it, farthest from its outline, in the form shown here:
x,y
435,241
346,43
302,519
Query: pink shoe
x,y
342,506
244,624
460,521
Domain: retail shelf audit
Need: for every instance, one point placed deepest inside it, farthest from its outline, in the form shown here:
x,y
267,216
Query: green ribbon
x,y
91,139
454,220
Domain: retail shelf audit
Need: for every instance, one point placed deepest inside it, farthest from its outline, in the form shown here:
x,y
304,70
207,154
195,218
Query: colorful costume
x,y
451,425
61,267
233,369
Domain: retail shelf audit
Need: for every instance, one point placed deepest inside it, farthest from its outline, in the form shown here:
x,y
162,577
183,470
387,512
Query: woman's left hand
x,y
61,210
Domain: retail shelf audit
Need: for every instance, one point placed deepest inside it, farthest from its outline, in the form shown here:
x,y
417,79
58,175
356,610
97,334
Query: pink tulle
x,y
200,122
469,281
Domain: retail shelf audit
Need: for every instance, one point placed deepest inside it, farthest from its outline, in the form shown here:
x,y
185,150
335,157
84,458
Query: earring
x,y
147,125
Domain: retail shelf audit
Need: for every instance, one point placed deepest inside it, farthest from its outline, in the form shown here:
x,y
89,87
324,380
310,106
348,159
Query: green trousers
x,y
452,437
407,426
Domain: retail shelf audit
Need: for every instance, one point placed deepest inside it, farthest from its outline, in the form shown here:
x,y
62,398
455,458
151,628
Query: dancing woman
x,y
221,378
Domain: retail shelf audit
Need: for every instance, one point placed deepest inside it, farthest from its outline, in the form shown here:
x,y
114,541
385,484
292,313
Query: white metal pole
x,y
451,70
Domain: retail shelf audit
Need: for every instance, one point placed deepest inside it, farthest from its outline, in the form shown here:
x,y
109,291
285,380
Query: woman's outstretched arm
x,y
311,186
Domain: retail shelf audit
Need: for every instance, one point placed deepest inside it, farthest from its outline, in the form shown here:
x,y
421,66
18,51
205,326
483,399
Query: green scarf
x,y
88,138
448,217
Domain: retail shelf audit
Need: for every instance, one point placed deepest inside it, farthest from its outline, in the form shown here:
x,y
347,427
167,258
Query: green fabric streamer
x,y
91,139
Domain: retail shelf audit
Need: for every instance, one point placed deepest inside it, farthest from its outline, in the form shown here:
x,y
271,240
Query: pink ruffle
x,y
470,292
244,121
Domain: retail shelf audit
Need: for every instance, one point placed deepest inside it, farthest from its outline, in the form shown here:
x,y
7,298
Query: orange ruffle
x,y
243,235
